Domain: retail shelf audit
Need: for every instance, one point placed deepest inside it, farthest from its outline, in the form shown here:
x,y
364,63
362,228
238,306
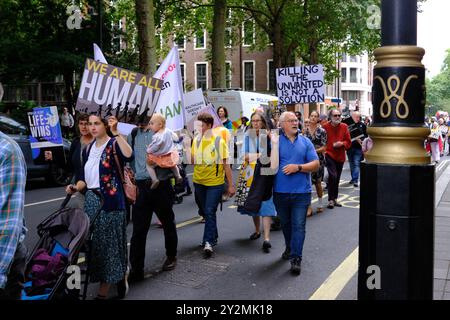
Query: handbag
x,y
127,178
243,185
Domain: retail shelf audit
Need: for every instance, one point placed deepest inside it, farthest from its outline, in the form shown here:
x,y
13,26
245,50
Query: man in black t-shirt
x,y
358,132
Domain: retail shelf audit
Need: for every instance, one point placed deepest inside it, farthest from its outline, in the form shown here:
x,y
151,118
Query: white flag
x,y
98,54
171,100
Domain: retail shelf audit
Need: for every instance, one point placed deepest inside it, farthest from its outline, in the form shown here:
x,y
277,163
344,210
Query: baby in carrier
x,y
161,150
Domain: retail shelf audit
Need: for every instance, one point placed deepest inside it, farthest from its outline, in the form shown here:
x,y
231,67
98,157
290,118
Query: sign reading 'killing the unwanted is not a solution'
x,y
303,84
109,90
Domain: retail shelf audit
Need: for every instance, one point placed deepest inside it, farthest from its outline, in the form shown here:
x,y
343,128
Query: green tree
x,y
438,88
36,43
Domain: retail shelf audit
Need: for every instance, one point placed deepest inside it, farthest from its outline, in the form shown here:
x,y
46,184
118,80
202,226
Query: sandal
x,y
255,236
319,209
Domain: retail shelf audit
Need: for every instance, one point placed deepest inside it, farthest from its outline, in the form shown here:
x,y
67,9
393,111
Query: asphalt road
x,y
238,269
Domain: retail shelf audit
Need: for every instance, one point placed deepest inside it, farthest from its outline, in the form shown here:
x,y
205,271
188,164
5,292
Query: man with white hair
x,y
296,159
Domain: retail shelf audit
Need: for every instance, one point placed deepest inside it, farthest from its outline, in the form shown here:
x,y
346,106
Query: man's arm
x,y
12,197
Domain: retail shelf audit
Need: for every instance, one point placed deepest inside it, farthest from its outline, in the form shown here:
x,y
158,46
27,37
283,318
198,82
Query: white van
x,y
239,103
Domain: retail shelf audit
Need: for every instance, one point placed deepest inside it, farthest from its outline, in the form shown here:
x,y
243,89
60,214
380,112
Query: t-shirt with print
x,y
206,171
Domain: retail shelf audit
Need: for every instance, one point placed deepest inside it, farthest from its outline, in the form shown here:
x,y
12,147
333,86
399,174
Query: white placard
x,y
303,84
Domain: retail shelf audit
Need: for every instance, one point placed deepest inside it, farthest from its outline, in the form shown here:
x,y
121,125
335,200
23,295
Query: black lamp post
x,y
396,233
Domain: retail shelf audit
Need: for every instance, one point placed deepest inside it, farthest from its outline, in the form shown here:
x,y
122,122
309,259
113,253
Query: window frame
x,y
254,74
195,74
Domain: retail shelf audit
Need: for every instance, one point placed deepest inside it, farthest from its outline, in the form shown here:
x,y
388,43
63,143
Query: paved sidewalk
x,y
442,238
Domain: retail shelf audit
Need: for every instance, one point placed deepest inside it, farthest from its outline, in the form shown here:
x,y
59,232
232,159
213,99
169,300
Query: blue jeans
x,y
208,200
292,208
355,156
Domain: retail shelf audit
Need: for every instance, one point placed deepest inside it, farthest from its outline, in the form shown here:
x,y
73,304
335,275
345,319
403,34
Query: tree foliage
x,y
438,88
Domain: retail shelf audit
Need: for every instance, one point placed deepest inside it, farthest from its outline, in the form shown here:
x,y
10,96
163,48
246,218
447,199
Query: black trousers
x,y
16,275
334,176
148,201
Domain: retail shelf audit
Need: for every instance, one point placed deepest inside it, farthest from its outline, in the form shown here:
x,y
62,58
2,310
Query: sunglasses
x,y
336,115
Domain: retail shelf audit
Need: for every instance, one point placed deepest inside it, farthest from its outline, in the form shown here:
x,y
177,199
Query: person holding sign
x,y
161,150
101,161
338,141
296,158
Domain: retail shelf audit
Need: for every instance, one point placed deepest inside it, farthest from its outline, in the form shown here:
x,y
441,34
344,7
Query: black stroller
x,y
63,236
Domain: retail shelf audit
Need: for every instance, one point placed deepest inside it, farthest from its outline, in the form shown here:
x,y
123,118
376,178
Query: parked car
x,y
53,173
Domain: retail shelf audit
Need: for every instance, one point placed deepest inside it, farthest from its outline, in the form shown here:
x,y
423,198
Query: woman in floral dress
x,y
318,137
108,263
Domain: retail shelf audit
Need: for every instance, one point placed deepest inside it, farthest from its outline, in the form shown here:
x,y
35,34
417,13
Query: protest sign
x,y
46,135
194,102
107,90
44,127
303,84
171,100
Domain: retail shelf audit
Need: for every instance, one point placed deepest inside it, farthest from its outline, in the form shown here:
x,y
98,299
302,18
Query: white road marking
x,y
46,201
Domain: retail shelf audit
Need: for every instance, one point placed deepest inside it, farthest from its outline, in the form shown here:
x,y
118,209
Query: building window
x,y
180,42
353,77
183,74
344,57
248,33
270,76
353,59
201,76
228,38
352,95
249,75
200,40
360,75
228,74
344,74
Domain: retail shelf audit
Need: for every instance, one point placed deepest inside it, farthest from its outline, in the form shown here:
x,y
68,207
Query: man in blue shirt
x,y
13,253
296,158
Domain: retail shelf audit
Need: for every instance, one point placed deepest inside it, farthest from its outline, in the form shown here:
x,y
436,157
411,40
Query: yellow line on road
x,y
188,222
336,282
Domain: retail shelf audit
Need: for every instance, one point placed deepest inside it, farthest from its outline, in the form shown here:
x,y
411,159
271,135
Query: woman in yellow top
x,y
209,155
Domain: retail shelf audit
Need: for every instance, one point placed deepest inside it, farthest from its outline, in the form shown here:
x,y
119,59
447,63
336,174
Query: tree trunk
x,y
277,40
146,36
218,71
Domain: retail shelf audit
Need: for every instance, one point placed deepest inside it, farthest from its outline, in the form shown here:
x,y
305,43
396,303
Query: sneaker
x,y
286,254
122,286
296,266
207,250
356,185
135,276
170,263
266,246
